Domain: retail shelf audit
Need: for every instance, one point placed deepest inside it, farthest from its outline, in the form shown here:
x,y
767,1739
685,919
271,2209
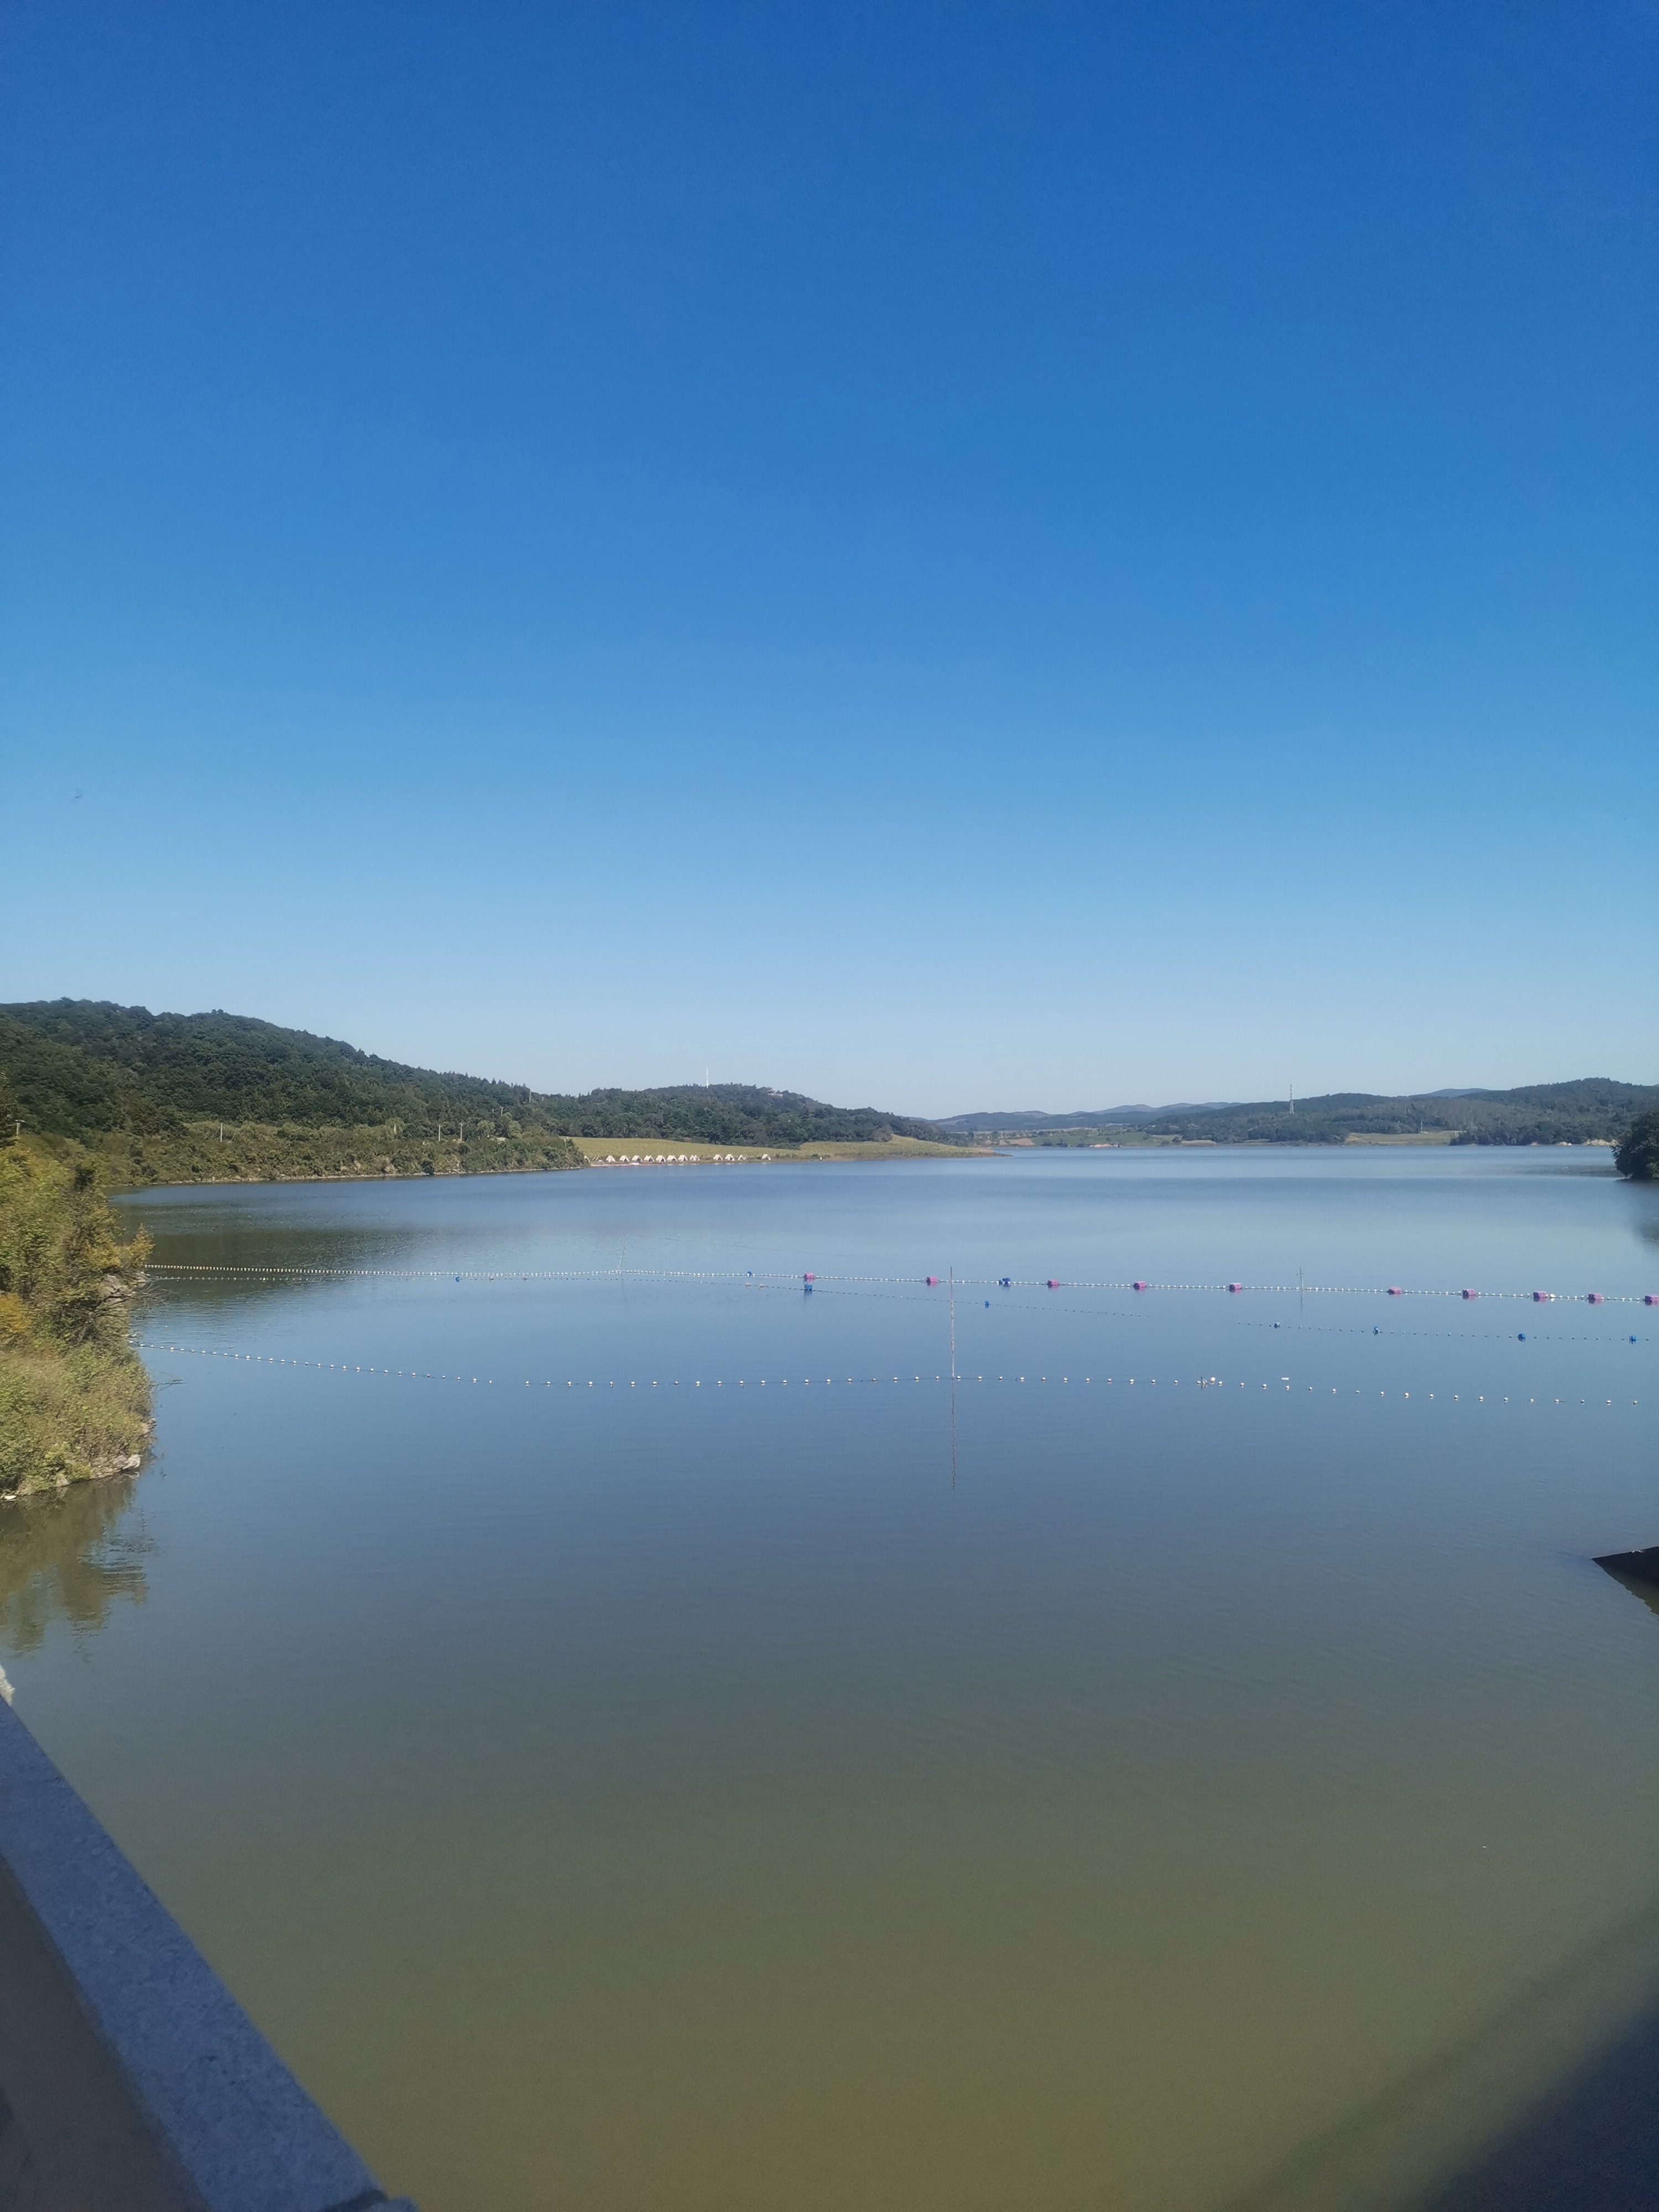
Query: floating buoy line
x,y
1282,1384
915,1282
1140,1311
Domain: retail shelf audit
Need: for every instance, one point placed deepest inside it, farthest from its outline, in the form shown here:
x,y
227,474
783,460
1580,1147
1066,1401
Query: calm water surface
x,y
742,1783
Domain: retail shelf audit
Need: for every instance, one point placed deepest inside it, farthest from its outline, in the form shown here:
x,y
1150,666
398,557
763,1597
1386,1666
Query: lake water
x,y
707,1762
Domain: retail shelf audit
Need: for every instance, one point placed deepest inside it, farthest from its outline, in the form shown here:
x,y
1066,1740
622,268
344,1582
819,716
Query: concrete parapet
x,y
130,2080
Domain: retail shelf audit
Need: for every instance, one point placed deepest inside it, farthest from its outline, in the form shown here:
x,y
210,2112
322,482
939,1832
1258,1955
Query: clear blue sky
x,y
950,555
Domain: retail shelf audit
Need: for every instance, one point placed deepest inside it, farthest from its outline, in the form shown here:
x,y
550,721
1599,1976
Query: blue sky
x,y
952,556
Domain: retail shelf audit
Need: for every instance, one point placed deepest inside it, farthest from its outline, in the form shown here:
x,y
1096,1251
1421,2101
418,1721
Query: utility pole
x,y
1292,1098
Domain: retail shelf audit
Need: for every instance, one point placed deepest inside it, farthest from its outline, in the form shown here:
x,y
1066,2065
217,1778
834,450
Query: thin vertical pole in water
x,y
953,1376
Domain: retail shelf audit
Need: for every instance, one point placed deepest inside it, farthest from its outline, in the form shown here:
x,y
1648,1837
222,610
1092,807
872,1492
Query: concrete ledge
x,y
130,2080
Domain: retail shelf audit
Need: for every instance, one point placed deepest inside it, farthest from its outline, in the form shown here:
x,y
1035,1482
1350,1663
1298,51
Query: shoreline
x,y
685,1151
74,1397
365,1162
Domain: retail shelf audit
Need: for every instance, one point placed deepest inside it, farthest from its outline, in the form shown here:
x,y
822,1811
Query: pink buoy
x,y
931,1279
809,1279
1471,1294
1542,1297
1235,1287
1651,1299
1595,1298
1394,1291
1137,1286
1052,1285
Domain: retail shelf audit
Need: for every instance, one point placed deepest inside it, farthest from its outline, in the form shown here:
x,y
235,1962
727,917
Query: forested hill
x,y
85,1069
1595,1107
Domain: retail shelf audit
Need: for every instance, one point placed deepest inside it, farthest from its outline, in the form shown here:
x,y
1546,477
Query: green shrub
x,y
66,1416
74,1396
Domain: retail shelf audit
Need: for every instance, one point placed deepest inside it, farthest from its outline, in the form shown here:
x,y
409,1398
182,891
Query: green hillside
x,y
1593,1108
150,1093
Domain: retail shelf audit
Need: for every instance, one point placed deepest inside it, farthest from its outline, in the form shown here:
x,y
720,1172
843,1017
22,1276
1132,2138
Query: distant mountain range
x,y
1092,1118
1593,1107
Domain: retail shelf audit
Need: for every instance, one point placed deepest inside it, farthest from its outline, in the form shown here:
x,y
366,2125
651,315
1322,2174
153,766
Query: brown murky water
x,y
747,1784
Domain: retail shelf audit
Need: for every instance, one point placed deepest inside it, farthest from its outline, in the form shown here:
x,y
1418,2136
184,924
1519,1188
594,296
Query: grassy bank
x,y
74,1396
598,1151
266,1152
1087,1138
1420,1137
272,1152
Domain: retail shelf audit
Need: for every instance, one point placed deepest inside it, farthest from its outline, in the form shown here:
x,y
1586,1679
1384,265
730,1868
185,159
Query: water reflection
x,y
65,1556
286,1226
725,1812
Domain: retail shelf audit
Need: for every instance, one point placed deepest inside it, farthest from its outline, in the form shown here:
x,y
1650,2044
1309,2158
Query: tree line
x,y
1591,1109
86,1069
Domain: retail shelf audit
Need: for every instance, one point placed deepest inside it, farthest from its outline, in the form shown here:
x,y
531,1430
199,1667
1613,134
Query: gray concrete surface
x,y
131,2081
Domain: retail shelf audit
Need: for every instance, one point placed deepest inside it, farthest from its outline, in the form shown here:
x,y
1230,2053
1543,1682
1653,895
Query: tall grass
x,y
73,1395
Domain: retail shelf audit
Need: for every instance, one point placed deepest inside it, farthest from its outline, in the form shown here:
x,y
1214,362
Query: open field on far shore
x,y
1415,1137
1107,1137
649,1151
1126,1140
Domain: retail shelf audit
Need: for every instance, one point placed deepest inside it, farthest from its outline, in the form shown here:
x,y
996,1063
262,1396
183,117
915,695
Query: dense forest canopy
x,y
82,1068
1638,1156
